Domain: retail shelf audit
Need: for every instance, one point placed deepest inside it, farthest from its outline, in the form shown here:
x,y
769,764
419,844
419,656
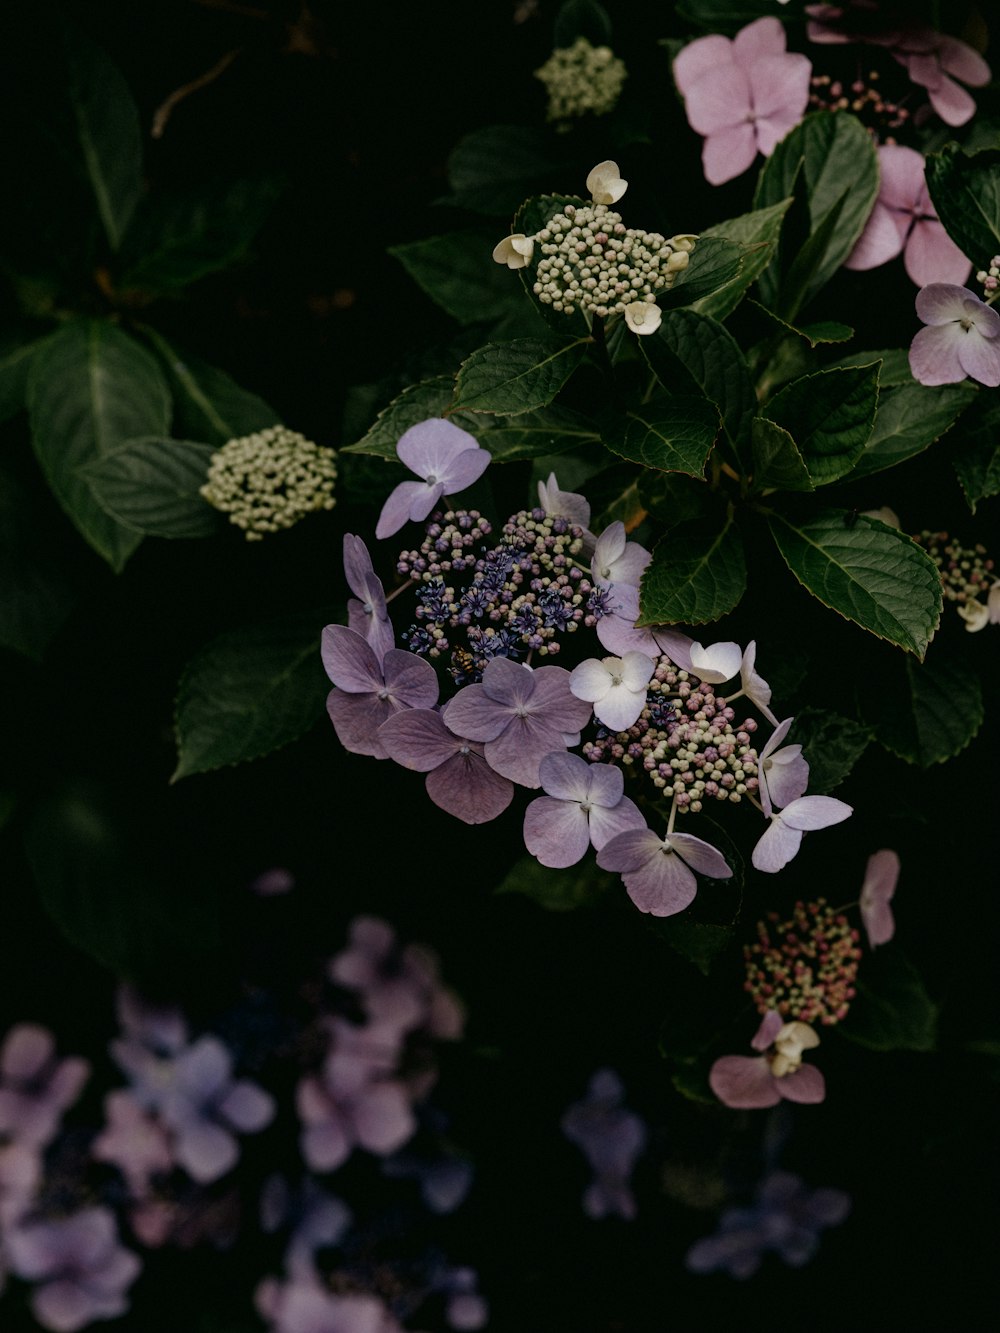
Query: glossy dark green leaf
x,y
777,462
976,457
493,169
895,365
581,885
515,377
698,573
152,485
90,389
937,710
247,693
865,571
910,418
757,234
15,362
108,133
548,431
208,404
672,432
892,1011
458,272
831,743
830,415
965,192
714,264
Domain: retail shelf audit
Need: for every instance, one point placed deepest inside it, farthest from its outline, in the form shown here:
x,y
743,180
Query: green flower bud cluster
x,y
269,480
582,78
592,262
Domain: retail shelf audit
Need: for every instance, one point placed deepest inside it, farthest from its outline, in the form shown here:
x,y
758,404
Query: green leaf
x,y
937,710
831,151
151,485
417,402
90,389
557,890
673,497
816,334
831,414
757,234
966,194
107,127
724,15
492,169
697,574
698,349
976,460
208,405
36,596
549,431
672,432
15,362
910,418
865,571
713,265
699,942
777,463
895,365
832,744
104,880
458,273
515,377
247,693
582,18
177,240
624,506
892,1011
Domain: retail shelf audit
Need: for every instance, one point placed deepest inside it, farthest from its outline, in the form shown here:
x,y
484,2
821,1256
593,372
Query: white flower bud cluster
x,y
989,279
269,480
582,78
592,262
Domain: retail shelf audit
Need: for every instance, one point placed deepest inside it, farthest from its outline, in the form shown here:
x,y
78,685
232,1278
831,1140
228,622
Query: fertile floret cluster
x,y
967,578
269,480
806,967
592,262
507,600
989,279
879,115
686,741
581,78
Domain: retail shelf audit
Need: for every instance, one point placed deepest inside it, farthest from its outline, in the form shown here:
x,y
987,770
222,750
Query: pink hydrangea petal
x,y
932,256
205,1151
67,1081
719,101
700,57
761,40
744,1082
606,822
901,178
662,886
785,779
934,355
881,875
883,239
618,635
629,851
325,1146
700,856
605,785
779,85
466,787
770,1025
64,1306
417,738
27,1048
429,447
247,1107
776,847
383,1118
815,812
568,777
349,660
962,62
952,103
396,510
805,1085
556,832
728,154
564,504
677,647
979,356
941,303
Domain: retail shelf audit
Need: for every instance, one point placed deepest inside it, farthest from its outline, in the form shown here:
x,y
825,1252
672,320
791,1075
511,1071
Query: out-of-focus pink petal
x,y
556,832
901,178
979,356
881,874
700,57
770,1025
728,153
882,239
27,1048
744,1082
932,256
64,1306
760,40
700,856
465,786
780,88
962,62
383,1118
247,1107
205,1151
805,1085
934,355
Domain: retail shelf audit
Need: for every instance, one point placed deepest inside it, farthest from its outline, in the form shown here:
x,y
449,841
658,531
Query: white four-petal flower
x,y
616,686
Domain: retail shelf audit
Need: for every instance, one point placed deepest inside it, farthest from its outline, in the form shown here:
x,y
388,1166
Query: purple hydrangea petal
x,y
700,855
744,1082
466,787
205,1150
464,469
567,777
410,680
979,357
815,812
556,832
418,738
357,718
941,303
606,785
553,698
204,1069
777,846
606,822
396,512
805,1085
620,707
430,447
383,1118
474,714
521,747
247,1107
662,886
349,660
934,355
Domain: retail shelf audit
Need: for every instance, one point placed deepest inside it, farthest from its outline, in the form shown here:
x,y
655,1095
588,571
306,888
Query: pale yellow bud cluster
x,y
269,480
582,78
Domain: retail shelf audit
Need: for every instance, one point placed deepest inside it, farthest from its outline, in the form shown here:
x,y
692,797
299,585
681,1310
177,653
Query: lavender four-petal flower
x,y
447,458
659,872
459,779
522,715
366,610
368,692
747,1082
584,806
961,338
782,839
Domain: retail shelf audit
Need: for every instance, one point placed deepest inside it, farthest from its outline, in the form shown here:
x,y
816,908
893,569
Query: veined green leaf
x,y
515,377
151,485
672,432
697,574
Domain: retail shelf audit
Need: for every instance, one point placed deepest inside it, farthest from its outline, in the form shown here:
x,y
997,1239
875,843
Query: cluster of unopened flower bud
x,y
581,79
592,262
269,480
805,967
685,741
518,595
967,578
989,279
862,97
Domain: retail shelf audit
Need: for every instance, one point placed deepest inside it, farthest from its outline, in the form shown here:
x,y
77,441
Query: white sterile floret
x,y
975,614
605,183
643,317
515,251
616,686
269,480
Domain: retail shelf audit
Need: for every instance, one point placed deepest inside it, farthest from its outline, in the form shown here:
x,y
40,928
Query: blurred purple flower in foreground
x,y
903,221
35,1087
611,1138
303,1305
81,1270
961,338
584,804
747,1082
743,95
447,459
881,874
786,1218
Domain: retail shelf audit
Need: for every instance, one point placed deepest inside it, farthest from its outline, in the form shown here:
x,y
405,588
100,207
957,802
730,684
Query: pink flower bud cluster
x,y
878,114
806,967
